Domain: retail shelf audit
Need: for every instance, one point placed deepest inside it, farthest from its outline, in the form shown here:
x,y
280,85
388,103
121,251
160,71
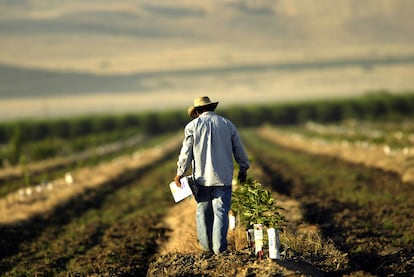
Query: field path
x,y
181,222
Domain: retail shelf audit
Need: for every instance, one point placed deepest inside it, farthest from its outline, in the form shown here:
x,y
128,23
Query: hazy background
x,y
63,57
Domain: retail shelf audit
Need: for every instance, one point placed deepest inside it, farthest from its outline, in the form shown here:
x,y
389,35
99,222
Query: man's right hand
x,y
177,180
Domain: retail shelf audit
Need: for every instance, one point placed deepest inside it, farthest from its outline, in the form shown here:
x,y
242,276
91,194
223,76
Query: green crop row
x,y
36,130
36,140
378,105
394,134
372,106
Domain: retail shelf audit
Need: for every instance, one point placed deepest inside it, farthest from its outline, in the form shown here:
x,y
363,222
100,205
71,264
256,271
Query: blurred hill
x,y
66,48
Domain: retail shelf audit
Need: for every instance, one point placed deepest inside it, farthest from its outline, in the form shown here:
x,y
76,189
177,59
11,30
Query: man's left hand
x,y
242,176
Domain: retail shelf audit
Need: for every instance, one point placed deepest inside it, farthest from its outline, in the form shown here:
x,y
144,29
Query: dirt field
x,y
357,238
344,219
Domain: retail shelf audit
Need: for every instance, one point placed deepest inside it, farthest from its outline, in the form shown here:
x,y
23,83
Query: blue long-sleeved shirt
x,y
210,143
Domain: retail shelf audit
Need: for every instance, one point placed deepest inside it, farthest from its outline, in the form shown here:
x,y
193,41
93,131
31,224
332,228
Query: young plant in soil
x,y
255,205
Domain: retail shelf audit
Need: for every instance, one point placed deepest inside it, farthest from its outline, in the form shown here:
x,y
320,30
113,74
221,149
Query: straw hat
x,y
203,101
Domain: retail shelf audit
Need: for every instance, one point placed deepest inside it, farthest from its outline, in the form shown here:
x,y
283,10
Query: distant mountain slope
x,y
23,82
240,20
77,47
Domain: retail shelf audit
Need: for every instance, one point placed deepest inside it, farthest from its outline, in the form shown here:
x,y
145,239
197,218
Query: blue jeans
x,y
212,217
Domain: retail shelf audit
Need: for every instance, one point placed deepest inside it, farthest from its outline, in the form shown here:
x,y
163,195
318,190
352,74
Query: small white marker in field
x,y
274,243
258,238
68,178
49,186
232,221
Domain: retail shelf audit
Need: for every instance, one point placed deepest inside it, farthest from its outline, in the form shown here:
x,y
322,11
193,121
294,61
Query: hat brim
x,y
192,111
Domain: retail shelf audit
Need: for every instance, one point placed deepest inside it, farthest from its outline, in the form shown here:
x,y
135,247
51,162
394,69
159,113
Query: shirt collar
x,y
207,113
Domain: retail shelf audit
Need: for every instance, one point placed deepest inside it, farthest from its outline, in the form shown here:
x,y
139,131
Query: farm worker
x,y
210,143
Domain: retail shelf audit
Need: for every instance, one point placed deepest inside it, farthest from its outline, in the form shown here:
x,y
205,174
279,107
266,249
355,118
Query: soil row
x,y
111,229
328,234
370,155
375,231
39,199
13,173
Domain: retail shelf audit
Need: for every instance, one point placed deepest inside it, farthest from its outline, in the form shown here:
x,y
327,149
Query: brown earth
x,y
336,234
371,155
180,255
34,200
353,240
377,235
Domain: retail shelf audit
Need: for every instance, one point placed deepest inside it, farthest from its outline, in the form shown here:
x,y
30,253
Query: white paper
x,y
180,193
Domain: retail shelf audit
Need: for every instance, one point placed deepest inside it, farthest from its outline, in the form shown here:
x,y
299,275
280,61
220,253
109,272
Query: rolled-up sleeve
x,y
186,152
